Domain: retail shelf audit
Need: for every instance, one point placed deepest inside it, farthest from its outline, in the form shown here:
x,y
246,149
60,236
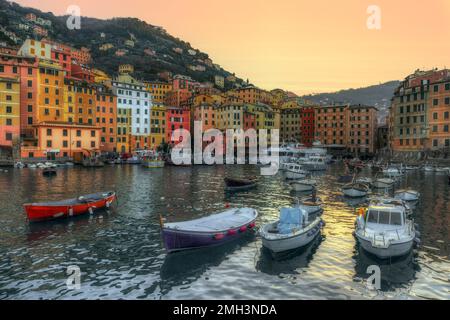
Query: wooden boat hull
x,y
68,208
177,239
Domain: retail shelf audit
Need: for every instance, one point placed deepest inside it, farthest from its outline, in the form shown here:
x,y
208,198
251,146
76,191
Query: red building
x,y
82,73
62,55
176,118
307,126
177,98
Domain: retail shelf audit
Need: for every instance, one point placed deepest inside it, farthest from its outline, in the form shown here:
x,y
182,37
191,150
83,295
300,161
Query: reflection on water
x,y
120,253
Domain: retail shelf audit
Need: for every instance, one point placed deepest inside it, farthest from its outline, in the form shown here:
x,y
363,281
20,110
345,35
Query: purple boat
x,y
208,231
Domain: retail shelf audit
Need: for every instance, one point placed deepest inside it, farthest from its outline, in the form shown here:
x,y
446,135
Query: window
x,y
65,144
49,132
383,217
64,132
78,144
8,109
49,143
78,133
92,144
8,136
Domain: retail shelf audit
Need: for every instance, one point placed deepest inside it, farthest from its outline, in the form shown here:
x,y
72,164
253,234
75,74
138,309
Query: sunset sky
x,y
298,45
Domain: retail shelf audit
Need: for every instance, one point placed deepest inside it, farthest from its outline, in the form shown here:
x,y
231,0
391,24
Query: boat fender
x,y
91,211
231,232
243,229
417,241
70,211
417,234
108,203
251,225
219,236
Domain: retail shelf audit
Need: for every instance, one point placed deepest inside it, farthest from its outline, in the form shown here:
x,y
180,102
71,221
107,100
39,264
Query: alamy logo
x,y
374,20
374,281
74,20
73,282
256,142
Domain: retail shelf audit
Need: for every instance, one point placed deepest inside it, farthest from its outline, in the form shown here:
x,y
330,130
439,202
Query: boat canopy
x,y
290,218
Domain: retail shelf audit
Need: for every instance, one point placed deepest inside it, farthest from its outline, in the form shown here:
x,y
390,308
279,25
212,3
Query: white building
x,y
135,102
34,48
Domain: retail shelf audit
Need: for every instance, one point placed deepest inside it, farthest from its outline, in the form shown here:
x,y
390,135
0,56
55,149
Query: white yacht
x,y
385,231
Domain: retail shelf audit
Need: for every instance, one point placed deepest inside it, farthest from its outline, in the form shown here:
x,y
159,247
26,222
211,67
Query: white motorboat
x,y
383,183
411,168
315,163
385,231
293,230
355,190
441,169
32,166
303,185
385,200
428,168
295,171
407,195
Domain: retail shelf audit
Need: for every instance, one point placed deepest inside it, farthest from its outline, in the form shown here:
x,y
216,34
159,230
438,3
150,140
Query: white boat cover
x,y
290,218
223,221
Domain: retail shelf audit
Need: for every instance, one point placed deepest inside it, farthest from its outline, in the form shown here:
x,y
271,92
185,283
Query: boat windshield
x,y
385,217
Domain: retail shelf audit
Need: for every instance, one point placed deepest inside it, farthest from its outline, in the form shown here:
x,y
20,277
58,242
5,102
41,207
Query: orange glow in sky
x,y
298,45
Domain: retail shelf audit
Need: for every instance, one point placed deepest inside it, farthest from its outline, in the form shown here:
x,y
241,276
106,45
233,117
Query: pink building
x,y
176,118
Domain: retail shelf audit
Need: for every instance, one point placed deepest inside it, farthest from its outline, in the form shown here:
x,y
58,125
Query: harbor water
x,y
120,253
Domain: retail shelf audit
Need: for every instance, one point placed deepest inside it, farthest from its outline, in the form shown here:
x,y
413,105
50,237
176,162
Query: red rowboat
x,y
69,207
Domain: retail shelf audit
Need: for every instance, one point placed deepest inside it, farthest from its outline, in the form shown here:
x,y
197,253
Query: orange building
x,y
419,115
106,107
9,111
50,92
26,68
346,127
59,140
81,56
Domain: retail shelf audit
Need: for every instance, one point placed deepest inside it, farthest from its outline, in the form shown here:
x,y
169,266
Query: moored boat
x,y
49,172
237,184
385,231
383,183
295,171
303,185
293,230
355,190
69,207
407,195
208,231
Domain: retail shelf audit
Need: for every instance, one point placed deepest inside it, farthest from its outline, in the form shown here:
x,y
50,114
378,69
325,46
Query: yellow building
x,y
158,90
50,92
79,102
157,125
9,110
100,76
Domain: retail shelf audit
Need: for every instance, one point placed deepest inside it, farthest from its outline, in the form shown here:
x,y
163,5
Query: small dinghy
x,y
355,190
70,207
303,185
407,195
312,205
295,171
383,183
49,172
235,184
293,230
208,231
385,231
428,168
